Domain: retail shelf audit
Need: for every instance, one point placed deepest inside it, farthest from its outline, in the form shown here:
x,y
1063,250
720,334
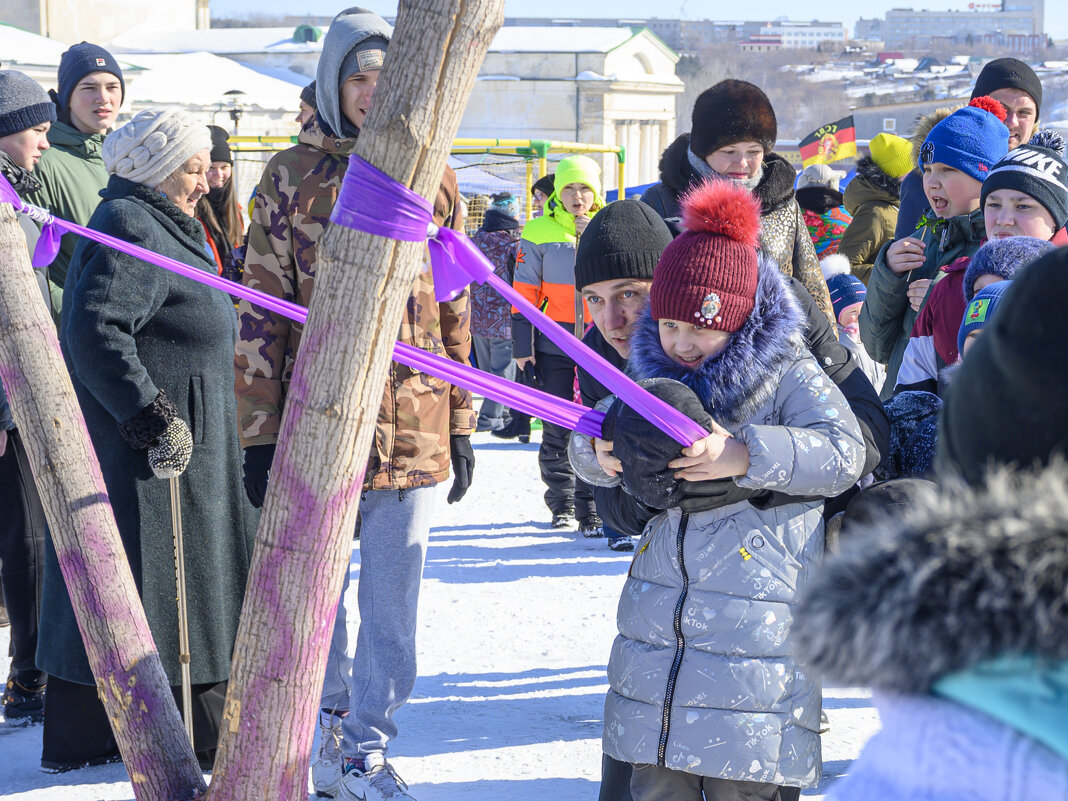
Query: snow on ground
x,y
516,621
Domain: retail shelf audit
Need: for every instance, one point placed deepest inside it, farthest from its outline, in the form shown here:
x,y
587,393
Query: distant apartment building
x,y
1010,23
805,35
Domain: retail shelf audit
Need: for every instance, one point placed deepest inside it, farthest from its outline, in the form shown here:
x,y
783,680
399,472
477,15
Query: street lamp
x,y
235,107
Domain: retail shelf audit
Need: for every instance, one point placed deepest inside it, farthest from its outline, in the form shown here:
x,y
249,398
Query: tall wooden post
x,y
305,535
130,677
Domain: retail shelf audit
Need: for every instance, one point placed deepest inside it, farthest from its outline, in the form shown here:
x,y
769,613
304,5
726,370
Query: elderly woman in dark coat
x,y
151,357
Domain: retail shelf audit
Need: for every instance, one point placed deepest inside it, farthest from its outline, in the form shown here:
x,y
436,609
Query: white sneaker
x,y
329,764
378,781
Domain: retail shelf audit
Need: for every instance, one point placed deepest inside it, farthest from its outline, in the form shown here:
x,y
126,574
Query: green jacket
x,y
886,318
72,174
872,199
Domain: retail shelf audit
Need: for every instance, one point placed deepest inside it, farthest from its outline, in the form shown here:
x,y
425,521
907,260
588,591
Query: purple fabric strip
x,y
372,202
540,404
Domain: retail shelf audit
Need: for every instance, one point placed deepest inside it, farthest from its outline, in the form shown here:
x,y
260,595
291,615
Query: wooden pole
x,y
305,536
124,659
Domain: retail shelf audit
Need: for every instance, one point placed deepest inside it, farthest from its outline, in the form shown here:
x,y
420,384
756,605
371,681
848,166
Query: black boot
x,y
518,426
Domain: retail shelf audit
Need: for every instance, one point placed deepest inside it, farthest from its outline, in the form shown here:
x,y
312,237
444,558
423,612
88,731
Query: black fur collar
x,y
871,172
736,384
819,199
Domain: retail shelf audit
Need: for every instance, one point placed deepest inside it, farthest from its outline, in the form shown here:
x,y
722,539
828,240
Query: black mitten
x,y
700,496
644,450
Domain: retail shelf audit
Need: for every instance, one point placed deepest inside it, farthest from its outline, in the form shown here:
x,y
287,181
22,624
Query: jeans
x,y
393,540
493,356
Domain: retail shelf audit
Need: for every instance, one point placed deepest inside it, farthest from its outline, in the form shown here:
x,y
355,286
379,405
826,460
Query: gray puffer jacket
x,y
702,674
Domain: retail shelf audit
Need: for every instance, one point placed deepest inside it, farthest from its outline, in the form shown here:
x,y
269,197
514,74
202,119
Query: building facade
x,y
99,21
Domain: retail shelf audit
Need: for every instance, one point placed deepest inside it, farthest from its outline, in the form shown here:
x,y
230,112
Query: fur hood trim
x,y
870,172
924,124
744,377
775,189
966,576
820,199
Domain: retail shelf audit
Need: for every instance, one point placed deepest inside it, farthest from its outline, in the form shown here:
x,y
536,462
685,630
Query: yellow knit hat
x,y
892,154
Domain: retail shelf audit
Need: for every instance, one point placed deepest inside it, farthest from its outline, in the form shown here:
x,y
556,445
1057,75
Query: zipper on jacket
x,y
680,644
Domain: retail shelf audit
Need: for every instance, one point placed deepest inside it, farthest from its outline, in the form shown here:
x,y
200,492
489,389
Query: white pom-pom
x,y
835,264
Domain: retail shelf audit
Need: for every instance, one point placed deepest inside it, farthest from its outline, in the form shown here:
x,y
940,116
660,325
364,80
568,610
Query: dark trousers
x,y
557,376
651,783
77,731
22,533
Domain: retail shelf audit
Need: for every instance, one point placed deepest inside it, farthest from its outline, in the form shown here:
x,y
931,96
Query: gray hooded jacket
x,y
348,29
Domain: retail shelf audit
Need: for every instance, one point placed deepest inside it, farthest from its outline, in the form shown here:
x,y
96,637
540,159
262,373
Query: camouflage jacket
x,y
293,203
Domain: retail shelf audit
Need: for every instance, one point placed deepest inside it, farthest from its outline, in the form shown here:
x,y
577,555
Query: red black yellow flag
x,y
832,142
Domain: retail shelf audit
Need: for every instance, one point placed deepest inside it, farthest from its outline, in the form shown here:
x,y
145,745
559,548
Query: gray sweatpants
x,y
378,679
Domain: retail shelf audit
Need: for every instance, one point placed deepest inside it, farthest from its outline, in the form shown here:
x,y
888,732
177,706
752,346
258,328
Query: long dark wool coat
x,y
131,329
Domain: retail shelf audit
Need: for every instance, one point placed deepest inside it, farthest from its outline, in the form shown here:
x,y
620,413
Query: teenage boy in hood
x,y
420,427
88,96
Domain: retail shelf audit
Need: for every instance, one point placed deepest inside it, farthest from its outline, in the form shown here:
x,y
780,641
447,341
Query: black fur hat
x,y
732,111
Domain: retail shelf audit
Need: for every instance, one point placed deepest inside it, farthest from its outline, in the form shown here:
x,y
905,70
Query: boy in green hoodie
x,y
88,97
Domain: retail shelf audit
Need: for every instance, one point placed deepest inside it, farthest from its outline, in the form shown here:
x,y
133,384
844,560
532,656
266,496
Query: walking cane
x,y
183,613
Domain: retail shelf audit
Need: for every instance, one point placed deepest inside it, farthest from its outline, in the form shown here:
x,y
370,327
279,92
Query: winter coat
x,y
71,173
875,372
887,317
545,276
954,614
294,200
491,314
872,198
23,182
130,330
932,345
783,233
702,677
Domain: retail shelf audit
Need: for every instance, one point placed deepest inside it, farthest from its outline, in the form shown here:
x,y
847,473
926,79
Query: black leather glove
x,y
463,465
700,496
257,470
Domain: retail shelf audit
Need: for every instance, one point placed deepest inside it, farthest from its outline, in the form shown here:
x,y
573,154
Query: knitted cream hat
x,y
154,144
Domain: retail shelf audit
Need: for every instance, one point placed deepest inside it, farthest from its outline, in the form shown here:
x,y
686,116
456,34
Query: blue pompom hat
x,y
970,139
981,309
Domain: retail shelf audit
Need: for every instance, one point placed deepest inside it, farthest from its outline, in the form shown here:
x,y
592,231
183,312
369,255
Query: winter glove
x,y
700,496
170,455
257,470
529,376
644,450
463,465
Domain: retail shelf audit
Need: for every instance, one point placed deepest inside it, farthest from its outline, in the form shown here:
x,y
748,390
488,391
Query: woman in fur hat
x,y
731,138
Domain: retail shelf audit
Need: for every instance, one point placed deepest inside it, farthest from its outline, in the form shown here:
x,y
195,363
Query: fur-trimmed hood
x,y
819,199
736,384
881,184
775,189
965,577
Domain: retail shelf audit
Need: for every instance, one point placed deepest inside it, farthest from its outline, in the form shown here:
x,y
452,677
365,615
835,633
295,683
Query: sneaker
x,y
565,518
518,426
621,544
329,764
372,778
23,705
591,527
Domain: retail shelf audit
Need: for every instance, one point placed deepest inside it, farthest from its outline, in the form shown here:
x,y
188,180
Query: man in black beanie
x,y
1014,84
1009,402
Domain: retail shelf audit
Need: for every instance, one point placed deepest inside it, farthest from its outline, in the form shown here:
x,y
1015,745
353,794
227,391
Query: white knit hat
x,y
155,143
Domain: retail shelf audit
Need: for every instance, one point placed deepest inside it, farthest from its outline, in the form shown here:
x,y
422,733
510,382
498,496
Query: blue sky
x,y
1056,11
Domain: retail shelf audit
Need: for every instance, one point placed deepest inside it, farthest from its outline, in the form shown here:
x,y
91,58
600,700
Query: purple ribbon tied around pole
x,y
572,416
457,262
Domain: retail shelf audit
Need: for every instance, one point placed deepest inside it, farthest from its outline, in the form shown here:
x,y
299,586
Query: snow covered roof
x,y
203,78
22,47
226,41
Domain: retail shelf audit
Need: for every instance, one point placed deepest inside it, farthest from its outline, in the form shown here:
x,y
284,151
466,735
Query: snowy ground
x,y
515,626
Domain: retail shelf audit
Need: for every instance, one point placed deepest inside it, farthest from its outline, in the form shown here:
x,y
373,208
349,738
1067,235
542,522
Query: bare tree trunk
x,y
305,535
129,675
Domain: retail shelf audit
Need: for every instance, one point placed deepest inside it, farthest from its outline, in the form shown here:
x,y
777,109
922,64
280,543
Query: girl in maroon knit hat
x,y
706,700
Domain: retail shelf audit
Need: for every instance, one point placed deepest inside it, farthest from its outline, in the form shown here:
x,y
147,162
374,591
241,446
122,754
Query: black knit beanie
x,y
307,94
1037,169
732,111
1008,402
1009,73
220,145
545,184
80,60
623,240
